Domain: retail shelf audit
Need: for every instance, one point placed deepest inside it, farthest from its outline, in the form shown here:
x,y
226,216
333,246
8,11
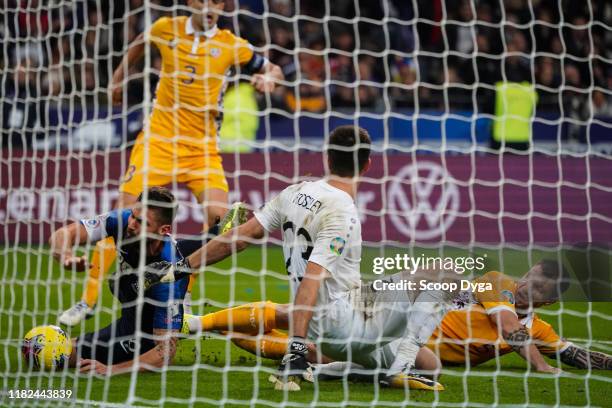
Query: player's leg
x,y
105,253
422,315
102,260
411,317
357,335
427,364
251,318
104,257
272,345
215,205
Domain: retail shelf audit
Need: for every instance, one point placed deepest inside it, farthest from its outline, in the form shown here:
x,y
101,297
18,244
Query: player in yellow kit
x,y
179,145
498,321
485,325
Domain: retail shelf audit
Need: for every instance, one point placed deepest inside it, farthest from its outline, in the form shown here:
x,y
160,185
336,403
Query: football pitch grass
x,y
34,289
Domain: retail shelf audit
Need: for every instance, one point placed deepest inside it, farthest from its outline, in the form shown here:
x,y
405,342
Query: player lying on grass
x,y
321,236
155,309
480,329
182,143
503,320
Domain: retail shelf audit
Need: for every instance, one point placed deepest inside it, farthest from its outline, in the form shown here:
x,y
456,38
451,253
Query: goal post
x,y
491,126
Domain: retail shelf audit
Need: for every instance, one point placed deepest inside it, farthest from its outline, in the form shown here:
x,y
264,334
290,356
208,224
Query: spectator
x,y
601,105
574,101
460,33
435,54
404,74
367,90
548,82
309,93
21,113
517,66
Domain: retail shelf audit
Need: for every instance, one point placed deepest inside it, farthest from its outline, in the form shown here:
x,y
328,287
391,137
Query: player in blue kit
x,y
155,311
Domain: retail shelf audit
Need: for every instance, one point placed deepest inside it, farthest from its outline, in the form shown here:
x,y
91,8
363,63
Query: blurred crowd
x,y
337,55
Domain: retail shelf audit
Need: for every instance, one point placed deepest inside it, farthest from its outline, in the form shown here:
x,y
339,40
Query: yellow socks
x,y
242,323
271,345
192,279
252,318
102,260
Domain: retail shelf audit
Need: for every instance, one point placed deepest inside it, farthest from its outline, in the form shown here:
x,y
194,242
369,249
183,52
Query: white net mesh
x,y
491,124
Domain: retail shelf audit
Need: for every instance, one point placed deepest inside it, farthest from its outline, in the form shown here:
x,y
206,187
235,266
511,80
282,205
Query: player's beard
x,y
134,241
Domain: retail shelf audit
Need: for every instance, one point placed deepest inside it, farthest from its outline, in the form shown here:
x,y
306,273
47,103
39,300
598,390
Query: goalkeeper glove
x,y
164,272
293,367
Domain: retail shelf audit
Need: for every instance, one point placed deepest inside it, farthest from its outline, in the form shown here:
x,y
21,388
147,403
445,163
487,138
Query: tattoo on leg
x,y
582,358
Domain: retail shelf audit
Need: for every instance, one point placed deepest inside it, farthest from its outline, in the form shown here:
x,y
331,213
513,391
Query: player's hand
x,y
550,369
164,272
116,93
86,365
78,263
263,83
293,367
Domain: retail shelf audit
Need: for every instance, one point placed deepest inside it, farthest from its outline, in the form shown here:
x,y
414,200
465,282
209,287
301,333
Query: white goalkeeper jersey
x,y
320,224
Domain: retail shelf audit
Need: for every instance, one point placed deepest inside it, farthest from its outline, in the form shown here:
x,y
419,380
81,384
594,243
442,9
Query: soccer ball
x,y
46,347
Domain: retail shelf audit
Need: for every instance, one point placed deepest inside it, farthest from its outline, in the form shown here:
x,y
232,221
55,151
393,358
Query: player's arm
x,y
267,78
134,54
295,362
222,246
306,300
234,240
159,356
264,74
582,358
63,240
517,336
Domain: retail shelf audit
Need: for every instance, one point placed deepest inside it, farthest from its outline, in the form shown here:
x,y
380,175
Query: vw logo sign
x,y
423,201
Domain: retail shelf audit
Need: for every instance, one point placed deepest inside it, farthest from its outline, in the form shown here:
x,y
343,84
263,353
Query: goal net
x,y
491,127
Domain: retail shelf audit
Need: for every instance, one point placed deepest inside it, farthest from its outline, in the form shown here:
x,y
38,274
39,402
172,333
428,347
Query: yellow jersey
x,y
188,98
470,333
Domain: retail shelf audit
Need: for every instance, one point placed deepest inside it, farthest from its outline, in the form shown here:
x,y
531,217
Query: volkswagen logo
x,y
423,200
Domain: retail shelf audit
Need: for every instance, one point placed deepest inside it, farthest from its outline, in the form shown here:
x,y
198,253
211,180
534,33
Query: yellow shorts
x,y
170,163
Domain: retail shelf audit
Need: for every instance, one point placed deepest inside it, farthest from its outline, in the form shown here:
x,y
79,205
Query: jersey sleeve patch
x,y
331,243
337,245
100,226
501,296
508,295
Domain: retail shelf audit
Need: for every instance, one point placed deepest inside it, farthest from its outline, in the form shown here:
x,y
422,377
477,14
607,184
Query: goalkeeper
x,y
153,311
182,143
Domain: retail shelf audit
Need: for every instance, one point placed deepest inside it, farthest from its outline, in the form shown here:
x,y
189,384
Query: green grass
x,y
33,290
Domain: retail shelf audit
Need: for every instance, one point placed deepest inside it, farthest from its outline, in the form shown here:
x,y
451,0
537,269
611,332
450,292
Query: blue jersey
x,y
163,302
